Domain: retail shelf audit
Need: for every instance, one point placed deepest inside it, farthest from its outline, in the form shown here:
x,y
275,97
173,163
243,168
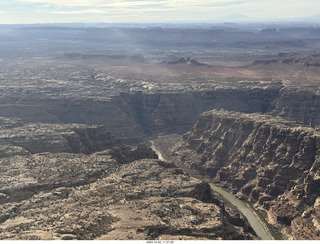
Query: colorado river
x,y
157,151
255,222
249,213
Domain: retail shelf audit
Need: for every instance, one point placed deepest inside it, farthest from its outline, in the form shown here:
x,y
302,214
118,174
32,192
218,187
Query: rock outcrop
x,y
269,161
182,60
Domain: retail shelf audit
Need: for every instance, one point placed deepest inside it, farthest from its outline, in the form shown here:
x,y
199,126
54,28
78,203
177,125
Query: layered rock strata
x,y
178,111
134,115
298,105
269,161
131,116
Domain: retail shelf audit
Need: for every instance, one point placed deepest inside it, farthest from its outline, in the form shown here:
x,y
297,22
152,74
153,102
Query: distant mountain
x,y
182,60
238,18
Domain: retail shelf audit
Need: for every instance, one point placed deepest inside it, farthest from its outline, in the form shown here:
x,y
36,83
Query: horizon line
x,y
266,21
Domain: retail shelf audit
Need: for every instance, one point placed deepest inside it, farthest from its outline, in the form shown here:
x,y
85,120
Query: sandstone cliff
x,y
269,161
298,105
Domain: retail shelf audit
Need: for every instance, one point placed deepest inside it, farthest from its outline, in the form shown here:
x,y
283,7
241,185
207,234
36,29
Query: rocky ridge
x,y
272,162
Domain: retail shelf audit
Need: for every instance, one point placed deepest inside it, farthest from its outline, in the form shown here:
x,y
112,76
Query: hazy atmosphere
x,y
124,11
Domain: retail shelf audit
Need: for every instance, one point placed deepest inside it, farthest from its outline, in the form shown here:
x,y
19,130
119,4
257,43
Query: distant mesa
x,y
270,31
134,57
292,58
182,60
237,18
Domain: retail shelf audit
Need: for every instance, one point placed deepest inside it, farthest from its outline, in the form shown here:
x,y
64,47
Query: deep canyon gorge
x,y
75,157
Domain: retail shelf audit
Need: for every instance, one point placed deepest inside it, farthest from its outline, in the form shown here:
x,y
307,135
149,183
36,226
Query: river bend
x,y
255,222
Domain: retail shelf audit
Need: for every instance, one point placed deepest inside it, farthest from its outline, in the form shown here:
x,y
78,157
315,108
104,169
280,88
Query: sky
x,y
154,11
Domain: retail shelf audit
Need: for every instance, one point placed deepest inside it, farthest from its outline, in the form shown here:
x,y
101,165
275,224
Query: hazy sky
x,y
51,11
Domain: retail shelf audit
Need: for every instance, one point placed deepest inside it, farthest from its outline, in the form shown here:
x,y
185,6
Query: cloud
x,y
178,4
67,3
85,11
94,3
152,10
115,8
264,7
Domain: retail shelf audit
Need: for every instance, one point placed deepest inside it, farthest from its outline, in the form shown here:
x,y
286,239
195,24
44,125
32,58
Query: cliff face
x,y
269,161
298,105
115,115
134,115
20,138
177,112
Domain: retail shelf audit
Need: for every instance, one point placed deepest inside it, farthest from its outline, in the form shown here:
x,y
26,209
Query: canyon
x,y
76,118
268,161
79,182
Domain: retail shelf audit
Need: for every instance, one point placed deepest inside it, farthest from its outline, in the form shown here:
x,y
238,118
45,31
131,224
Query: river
x,y
255,222
157,151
